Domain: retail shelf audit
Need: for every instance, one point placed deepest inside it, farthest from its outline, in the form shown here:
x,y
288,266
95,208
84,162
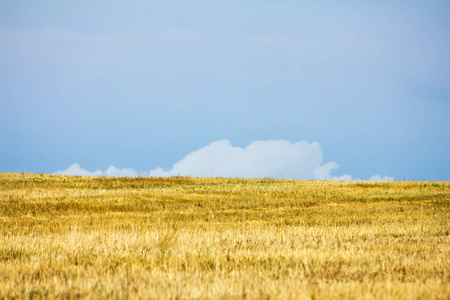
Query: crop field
x,y
215,238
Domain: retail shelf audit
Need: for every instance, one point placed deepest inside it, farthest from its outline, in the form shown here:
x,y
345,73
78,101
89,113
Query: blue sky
x,y
142,85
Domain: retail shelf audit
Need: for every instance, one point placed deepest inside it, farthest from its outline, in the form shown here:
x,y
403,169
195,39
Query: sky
x,y
339,90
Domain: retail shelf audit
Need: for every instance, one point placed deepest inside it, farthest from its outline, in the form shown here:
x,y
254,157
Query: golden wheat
x,y
71,237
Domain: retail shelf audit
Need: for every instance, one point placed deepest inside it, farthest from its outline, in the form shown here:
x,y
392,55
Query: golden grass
x,y
186,238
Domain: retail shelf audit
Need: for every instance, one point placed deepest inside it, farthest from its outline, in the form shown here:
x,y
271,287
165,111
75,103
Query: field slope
x,y
70,237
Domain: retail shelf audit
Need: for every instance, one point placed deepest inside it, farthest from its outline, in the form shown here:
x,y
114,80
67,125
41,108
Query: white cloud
x,y
260,159
345,177
115,172
112,171
373,178
379,178
75,169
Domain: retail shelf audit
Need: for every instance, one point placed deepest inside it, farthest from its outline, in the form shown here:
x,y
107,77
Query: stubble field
x,y
186,238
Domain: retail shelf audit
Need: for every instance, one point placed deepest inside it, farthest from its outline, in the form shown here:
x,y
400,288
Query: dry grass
x,y
70,237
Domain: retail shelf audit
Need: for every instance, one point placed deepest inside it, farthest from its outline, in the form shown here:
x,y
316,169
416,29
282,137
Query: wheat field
x,y
215,238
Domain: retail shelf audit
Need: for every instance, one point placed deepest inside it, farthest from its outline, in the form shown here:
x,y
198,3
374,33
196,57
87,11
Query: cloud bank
x,y
260,159
112,171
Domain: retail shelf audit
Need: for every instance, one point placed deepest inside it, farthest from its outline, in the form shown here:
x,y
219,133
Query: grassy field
x,y
186,238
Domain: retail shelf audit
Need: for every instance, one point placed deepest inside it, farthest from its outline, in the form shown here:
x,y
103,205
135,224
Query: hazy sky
x,y
142,84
